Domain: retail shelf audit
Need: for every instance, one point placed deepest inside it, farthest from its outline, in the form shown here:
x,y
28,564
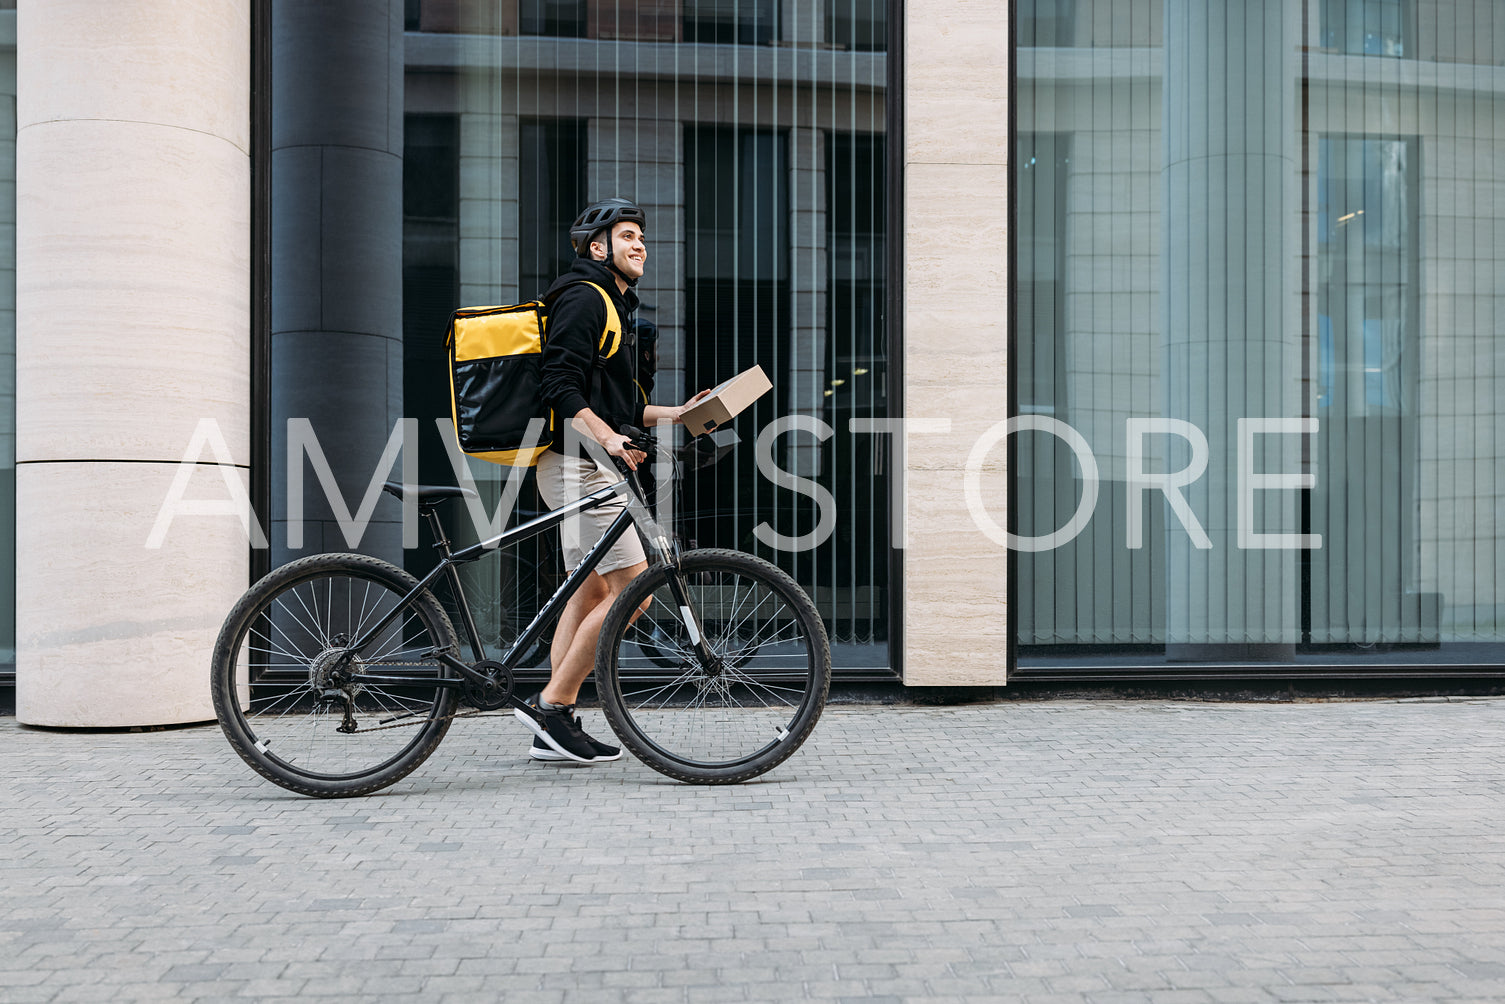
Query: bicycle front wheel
x,y
309,712
734,709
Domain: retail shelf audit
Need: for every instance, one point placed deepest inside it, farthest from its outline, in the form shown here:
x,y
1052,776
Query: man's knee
x,y
619,579
591,592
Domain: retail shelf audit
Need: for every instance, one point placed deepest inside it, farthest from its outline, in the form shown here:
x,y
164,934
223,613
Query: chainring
x,y
494,693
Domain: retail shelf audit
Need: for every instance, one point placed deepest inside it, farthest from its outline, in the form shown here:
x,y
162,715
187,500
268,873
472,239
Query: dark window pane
x,y
551,193
736,187
1046,23
856,375
558,18
859,25
731,22
431,167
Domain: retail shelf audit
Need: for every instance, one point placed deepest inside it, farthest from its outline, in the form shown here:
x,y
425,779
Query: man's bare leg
x,y
579,643
591,592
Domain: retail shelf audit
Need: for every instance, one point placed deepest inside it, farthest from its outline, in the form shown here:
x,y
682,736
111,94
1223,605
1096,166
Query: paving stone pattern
x,y
1073,851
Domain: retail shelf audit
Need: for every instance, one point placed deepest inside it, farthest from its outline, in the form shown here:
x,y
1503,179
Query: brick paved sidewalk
x,y
1063,851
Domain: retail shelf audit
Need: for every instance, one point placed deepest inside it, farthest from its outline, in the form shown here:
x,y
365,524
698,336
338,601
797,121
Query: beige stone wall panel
x,y
180,64
955,337
133,292
132,318
111,633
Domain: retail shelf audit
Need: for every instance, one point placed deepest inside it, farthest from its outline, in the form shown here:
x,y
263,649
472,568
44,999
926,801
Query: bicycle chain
x,y
468,713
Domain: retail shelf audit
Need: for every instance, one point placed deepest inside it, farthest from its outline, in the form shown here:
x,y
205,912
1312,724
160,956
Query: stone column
x,y
337,117
132,327
956,148
1231,326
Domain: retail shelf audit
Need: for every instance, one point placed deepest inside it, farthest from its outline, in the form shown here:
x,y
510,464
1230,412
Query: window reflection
x,y
730,22
551,190
857,24
557,18
764,196
1367,27
1362,295
1046,23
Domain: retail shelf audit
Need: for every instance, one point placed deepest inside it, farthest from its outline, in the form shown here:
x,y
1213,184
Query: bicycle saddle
x,y
428,495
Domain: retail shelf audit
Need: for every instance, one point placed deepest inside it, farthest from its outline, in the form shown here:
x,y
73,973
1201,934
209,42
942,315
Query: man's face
x,y
628,251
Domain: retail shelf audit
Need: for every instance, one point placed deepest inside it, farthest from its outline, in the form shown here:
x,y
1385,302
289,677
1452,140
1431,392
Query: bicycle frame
x,y
665,550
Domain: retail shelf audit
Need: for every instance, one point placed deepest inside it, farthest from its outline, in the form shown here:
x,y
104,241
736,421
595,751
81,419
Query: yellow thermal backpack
x,y
495,368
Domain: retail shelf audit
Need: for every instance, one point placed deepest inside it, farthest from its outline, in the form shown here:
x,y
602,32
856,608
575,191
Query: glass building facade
x,y
1256,327
1258,262
430,154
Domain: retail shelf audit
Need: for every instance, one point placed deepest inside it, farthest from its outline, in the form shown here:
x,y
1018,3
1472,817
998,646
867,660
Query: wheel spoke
x,y
313,618
284,687
752,705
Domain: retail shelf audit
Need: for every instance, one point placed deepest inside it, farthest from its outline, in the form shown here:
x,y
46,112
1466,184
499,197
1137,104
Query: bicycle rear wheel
x,y
301,707
739,713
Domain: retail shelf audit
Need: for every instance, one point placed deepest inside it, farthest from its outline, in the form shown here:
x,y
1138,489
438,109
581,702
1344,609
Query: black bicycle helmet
x,y
602,216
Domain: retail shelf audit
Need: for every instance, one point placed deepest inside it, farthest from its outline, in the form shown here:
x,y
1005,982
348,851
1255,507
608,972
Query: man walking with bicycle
x,y
592,397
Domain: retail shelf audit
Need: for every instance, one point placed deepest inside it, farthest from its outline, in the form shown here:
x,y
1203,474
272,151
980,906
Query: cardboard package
x,y
726,400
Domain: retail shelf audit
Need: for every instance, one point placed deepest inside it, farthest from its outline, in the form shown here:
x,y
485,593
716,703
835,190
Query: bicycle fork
x,y
668,552
690,618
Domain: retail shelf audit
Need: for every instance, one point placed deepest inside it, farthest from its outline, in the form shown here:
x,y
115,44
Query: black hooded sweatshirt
x,y
576,319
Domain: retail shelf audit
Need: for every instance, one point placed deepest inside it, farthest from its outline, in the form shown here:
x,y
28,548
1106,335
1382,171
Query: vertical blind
x,y
1259,251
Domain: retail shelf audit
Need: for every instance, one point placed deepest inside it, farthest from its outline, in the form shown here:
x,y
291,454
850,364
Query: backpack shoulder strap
x,y
611,335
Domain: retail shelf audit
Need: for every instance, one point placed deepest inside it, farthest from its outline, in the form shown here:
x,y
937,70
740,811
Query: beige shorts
x,y
562,480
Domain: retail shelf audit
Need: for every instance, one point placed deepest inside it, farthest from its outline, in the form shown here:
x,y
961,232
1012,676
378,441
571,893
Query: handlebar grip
x,y
647,442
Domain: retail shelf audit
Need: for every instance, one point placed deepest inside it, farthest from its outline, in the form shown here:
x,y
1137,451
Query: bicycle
x,y
338,674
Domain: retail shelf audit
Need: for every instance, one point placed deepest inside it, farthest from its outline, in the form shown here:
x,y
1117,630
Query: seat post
x,y
457,589
441,540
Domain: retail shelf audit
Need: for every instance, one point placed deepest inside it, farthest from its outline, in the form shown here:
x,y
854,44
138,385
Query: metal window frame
x,y
893,291
261,277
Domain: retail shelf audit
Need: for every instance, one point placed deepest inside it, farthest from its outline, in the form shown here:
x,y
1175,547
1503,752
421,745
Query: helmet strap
x,y
611,262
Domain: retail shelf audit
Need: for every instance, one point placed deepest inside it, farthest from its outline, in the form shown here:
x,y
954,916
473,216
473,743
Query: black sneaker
x,y
546,753
557,731
543,751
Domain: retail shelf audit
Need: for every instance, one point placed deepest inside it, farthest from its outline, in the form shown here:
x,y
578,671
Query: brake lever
x,y
641,440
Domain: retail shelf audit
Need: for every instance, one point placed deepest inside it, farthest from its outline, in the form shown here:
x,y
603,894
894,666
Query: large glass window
x,y
419,170
1257,264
